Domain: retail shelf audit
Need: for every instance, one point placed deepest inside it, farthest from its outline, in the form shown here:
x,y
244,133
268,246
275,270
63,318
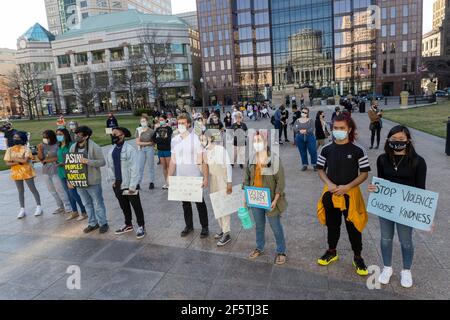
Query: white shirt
x,y
187,155
234,115
219,156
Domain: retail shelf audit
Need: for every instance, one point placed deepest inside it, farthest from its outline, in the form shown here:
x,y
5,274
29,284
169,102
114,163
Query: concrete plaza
x,y
36,252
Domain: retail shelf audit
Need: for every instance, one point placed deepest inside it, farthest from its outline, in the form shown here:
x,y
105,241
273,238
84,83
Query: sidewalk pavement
x,y
36,252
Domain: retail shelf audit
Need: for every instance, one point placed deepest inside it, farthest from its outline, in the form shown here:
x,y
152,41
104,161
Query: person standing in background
x,y
111,123
321,129
162,137
375,116
305,139
146,150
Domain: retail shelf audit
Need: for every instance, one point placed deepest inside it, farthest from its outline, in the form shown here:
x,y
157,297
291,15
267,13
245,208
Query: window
x,y
83,4
405,65
261,18
405,10
81,59
178,49
413,64
67,81
404,46
98,56
263,47
63,61
405,28
245,33
117,54
206,66
393,47
244,18
84,15
137,51
384,66
392,66
384,47
393,12
384,31
392,33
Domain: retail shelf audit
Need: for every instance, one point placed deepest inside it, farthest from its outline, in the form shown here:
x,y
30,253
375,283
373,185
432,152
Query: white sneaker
x,y
385,275
165,187
21,214
406,279
38,212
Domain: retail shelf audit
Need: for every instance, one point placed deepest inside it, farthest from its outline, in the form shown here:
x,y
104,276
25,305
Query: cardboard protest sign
x,y
3,142
403,204
76,172
225,204
258,198
187,189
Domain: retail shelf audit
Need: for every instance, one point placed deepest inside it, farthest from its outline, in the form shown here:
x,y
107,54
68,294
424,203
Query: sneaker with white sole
x,y
72,215
140,232
38,212
165,187
82,217
406,279
59,211
385,275
22,214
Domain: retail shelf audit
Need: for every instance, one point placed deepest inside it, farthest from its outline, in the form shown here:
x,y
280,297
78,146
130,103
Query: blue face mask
x,y
60,138
340,135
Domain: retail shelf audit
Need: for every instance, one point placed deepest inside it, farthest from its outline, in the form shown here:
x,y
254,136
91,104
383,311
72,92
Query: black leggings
x,y
334,221
32,187
126,202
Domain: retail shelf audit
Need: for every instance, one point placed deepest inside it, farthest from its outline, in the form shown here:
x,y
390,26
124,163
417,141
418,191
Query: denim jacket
x,y
130,172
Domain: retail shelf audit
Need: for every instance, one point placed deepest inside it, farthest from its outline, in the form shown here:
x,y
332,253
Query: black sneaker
x,y
280,142
304,168
287,141
123,230
89,229
315,168
241,166
377,147
218,236
371,147
328,257
186,231
138,187
152,186
104,228
361,268
140,233
204,233
224,240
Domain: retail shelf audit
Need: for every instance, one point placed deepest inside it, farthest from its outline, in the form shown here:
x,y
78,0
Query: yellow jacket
x,y
357,213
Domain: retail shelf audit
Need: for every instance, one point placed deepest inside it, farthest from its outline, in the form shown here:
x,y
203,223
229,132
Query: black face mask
x,y
116,140
398,145
16,142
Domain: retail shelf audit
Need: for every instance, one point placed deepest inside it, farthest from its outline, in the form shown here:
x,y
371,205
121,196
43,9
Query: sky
x,y
17,16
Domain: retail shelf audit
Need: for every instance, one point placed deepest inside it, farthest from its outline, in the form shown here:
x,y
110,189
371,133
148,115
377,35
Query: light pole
x,y
374,71
202,81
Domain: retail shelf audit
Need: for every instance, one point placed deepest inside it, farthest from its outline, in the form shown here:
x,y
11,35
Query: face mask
x,y
258,146
304,115
60,138
144,124
72,127
398,145
78,139
340,135
45,141
161,123
182,128
17,142
115,140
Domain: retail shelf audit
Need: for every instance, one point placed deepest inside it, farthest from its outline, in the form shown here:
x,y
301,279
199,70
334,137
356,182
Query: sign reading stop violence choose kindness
x,y
403,204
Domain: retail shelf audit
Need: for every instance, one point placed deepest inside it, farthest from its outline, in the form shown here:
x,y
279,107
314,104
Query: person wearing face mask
x,y
48,155
305,139
321,129
265,170
239,140
375,116
9,133
220,179
61,122
281,118
337,111
64,144
111,122
401,164
92,195
187,161
124,175
18,157
162,137
73,125
146,150
343,166
228,120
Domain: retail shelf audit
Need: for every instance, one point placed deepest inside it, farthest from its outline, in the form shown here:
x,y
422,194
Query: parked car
x,y
441,93
15,117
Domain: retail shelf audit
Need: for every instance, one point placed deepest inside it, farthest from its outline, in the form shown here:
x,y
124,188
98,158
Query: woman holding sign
x,y
399,164
220,178
264,170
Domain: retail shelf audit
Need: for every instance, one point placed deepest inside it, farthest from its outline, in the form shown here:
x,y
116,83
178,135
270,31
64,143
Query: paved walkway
x,y
36,252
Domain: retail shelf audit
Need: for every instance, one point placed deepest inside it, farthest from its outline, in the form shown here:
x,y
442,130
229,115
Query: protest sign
x,y
225,204
109,131
258,198
3,142
403,204
76,171
187,189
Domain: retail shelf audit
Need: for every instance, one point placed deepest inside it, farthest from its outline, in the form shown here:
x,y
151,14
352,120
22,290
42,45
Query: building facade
x,y
63,15
432,45
399,47
8,96
190,18
439,9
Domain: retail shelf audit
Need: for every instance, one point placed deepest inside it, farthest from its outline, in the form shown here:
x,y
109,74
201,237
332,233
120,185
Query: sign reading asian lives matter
x,y
403,204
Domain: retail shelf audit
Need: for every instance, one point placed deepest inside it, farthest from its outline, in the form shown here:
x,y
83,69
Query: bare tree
x,y
157,58
85,92
134,79
25,80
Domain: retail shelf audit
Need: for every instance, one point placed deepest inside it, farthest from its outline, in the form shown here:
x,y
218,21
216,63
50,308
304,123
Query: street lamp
x,y
203,93
374,70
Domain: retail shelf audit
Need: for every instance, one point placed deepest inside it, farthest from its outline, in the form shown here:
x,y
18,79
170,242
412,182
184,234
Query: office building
x,y
63,15
8,95
190,18
439,10
432,43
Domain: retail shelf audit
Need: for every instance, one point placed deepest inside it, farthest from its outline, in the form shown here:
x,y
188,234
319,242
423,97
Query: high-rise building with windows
x,y
439,8
63,15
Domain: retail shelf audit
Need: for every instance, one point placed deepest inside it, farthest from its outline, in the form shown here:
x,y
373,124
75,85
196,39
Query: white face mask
x,y
258,146
45,141
72,127
144,124
182,128
304,115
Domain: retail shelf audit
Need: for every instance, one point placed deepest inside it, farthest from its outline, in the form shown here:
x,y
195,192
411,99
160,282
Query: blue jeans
x,y
405,236
74,197
92,198
146,154
307,143
275,225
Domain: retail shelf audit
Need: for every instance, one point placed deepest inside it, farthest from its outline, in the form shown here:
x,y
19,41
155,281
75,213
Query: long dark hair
x,y
319,113
350,123
411,154
51,136
67,138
